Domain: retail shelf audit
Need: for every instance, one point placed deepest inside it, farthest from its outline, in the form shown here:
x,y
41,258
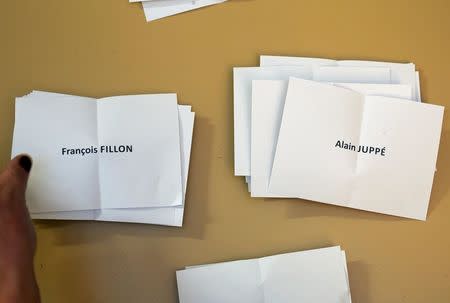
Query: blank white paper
x,y
310,276
242,83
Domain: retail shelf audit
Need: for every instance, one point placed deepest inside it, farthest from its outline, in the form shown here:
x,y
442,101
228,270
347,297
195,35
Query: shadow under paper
x,y
358,274
442,177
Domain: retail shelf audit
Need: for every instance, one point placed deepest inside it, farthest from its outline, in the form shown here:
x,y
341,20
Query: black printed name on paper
x,y
365,149
102,149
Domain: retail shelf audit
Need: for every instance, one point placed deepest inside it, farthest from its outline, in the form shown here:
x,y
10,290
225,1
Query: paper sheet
x,y
41,129
171,216
267,108
150,176
55,124
322,129
310,276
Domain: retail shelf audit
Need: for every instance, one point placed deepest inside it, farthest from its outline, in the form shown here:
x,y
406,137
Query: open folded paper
x,y
351,144
114,159
310,276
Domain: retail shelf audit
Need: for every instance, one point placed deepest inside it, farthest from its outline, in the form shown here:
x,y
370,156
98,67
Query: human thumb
x,y
15,177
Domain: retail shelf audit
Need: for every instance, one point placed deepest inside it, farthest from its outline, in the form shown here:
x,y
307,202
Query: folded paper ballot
x,y
341,147
268,97
275,168
157,9
310,276
43,173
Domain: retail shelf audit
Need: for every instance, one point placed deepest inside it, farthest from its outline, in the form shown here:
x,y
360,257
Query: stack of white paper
x,y
123,159
349,133
309,277
157,9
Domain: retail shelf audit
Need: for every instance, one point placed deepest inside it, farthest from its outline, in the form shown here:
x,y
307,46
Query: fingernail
x,y
25,163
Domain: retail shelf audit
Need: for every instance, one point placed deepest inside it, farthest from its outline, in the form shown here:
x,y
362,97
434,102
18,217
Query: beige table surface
x,y
105,47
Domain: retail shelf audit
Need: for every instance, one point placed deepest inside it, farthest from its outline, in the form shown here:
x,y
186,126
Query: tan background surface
x,y
105,47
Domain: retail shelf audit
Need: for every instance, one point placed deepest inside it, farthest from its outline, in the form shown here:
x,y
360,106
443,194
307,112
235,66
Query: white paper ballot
x,y
344,262
401,73
311,276
92,155
158,9
169,216
340,147
243,77
268,98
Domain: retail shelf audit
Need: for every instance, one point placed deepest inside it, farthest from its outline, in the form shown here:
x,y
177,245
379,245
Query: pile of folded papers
x,y
157,9
310,276
349,133
123,159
